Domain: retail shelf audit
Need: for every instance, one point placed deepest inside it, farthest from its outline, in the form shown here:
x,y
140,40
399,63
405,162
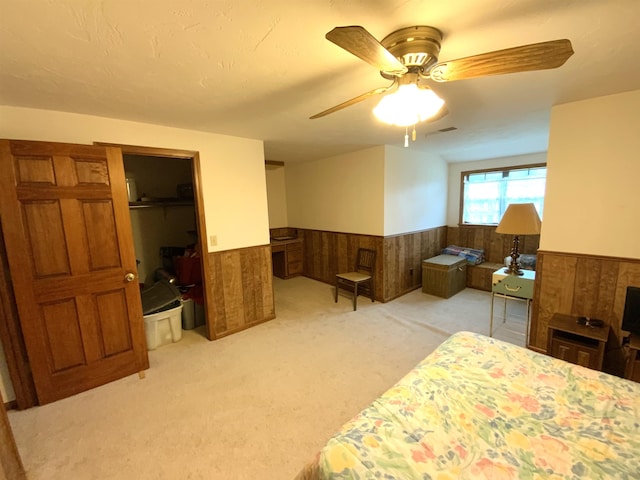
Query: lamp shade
x,y
520,219
409,105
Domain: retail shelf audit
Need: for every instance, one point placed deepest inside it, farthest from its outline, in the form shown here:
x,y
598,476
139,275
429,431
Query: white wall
x,y
232,168
277,197
593,177
382,191
415,191
344,193
455,169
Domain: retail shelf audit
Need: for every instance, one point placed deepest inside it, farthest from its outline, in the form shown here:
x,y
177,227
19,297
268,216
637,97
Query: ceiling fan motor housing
x,y
417,46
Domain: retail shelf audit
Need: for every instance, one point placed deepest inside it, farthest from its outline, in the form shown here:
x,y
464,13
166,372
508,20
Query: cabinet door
x,y
562,351
573,352
585,358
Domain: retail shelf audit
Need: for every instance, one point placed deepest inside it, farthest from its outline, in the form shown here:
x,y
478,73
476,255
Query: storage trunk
x,y
444,275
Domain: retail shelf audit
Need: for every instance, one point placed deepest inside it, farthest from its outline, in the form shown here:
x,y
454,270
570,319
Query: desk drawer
x,y
294,247
294,268
294,256
513,286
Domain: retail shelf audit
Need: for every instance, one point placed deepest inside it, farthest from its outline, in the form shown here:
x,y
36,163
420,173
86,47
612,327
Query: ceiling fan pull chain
x,y
406,136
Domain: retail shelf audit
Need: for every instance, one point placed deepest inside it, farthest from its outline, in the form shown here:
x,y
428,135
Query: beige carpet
x,y
254,405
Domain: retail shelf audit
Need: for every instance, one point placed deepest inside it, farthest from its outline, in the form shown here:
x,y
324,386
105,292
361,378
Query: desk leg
x,y
504,309
491,316
526,332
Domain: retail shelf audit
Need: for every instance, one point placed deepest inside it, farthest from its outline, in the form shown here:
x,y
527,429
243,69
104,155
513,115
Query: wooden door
x,y
67,231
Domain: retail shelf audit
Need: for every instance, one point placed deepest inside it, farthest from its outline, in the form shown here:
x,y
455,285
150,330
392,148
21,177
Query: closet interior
x,y
164,225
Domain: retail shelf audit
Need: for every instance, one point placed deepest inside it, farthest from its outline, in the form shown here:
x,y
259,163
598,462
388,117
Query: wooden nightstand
x,y
575,343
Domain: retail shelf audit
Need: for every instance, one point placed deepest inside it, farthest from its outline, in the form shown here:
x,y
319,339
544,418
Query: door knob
x,y
129,277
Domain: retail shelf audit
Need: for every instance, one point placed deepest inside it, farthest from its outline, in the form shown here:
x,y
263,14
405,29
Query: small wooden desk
x,y
517,287
286,257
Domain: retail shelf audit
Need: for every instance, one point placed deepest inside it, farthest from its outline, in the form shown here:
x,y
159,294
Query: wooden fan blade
x,y
362,44
537,56
354,100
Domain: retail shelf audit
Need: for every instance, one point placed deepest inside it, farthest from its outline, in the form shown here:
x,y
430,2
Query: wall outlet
x,y
213,240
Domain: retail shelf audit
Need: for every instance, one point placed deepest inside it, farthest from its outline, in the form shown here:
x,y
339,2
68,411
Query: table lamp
x,y
519,219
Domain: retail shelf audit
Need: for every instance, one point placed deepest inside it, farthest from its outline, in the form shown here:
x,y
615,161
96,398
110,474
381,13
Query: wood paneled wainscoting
x,y
583,285
241,294
496,247
327,253
403,257
398,258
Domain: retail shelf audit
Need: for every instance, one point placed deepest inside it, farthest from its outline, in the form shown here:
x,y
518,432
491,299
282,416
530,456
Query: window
x,y
486,193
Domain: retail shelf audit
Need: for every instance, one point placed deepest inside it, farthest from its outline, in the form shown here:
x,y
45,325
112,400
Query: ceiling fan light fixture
x,y
407,106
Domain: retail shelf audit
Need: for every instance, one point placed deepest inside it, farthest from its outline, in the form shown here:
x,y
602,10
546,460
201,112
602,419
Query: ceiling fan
x,y
409,56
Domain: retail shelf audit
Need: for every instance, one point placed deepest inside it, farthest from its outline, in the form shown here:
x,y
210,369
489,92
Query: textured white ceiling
x,y
259,69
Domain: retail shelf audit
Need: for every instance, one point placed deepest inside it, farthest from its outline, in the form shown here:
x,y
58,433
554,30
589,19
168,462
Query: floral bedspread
x,y
484,409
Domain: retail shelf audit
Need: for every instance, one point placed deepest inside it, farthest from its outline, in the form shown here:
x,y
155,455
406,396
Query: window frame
x,y
488,170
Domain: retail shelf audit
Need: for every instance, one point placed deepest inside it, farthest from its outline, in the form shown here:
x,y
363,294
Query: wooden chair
x,y
360,281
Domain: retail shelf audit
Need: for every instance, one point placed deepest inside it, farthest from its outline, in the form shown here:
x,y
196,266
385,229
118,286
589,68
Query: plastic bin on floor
x,y
192,314
188,315
158,296
163,327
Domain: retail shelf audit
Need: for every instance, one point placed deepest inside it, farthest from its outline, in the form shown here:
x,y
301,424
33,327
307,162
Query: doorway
x,y
164,222
193,160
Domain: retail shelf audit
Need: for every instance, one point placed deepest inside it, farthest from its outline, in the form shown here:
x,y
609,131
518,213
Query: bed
x,y
481,408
